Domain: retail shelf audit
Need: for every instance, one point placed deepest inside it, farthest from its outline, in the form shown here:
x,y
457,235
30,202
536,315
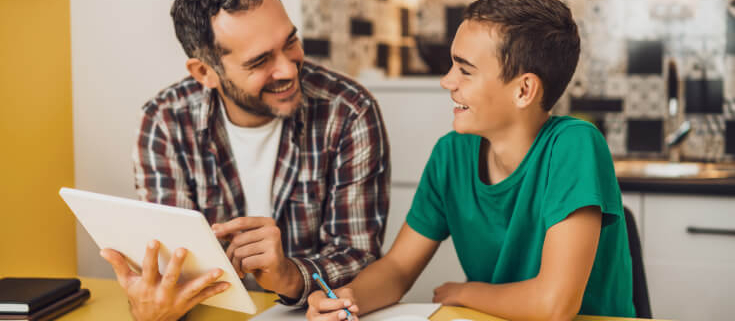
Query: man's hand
x,y
322,308
449,294
156,297
255,247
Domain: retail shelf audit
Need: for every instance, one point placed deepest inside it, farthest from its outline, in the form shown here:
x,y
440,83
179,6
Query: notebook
x,y
26,295
129,225
53,310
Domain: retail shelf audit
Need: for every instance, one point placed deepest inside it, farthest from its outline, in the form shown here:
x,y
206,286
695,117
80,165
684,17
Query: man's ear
x,y
528,91
203,73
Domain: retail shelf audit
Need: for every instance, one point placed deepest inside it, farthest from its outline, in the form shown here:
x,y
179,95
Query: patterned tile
x,y
646,97
616,129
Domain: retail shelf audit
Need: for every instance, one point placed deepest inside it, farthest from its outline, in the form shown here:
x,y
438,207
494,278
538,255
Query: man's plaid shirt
x,y
331,181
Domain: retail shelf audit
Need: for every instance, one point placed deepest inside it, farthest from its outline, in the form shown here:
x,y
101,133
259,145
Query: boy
x,y
531,200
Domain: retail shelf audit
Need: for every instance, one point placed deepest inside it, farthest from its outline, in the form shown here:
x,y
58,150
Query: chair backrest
x,y
640,286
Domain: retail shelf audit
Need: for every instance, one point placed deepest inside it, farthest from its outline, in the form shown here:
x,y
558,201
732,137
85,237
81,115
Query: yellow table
x,y
108,302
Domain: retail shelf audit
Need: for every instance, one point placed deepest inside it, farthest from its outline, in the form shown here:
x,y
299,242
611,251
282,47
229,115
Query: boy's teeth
x,y
464,107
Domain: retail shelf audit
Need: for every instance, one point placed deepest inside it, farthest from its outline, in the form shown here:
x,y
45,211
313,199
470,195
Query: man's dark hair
x,y
539,37
193,25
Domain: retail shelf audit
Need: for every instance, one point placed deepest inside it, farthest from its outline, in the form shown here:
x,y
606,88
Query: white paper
x,y
403,311
397,312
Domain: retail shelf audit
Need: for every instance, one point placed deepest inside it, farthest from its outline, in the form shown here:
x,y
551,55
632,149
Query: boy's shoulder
x,y
563,128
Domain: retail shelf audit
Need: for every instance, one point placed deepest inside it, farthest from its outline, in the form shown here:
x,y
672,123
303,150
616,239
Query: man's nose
x,y
285,68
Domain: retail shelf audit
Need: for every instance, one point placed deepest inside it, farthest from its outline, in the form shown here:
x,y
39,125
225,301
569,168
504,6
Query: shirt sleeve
x,y
427,215
158,176
353,225
581,173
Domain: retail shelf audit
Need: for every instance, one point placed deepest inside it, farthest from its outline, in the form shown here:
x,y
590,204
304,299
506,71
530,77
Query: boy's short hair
x,y
539,37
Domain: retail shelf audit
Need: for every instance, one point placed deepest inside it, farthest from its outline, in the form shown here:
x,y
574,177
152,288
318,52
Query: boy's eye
x,y
464,72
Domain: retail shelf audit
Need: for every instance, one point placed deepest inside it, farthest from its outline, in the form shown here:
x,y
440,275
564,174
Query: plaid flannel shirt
x,y
331,180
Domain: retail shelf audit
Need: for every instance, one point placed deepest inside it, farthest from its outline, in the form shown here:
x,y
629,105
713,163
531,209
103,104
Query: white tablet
x,y
128,226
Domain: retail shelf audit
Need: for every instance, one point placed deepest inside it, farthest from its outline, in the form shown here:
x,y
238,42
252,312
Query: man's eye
x,y
258,64
291,42
464,72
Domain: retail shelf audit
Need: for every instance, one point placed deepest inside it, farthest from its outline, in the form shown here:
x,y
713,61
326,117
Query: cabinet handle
x,y
710,231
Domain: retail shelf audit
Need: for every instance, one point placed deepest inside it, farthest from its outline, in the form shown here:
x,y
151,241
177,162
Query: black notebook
x,y
53,310
26,295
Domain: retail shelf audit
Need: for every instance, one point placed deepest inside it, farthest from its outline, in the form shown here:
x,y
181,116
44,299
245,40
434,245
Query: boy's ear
x,y
528,91
203,73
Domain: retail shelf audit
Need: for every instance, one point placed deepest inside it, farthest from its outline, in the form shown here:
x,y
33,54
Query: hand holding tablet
x,y
128,227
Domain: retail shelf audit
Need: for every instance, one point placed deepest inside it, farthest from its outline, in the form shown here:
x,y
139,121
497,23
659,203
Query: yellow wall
x,y
36,152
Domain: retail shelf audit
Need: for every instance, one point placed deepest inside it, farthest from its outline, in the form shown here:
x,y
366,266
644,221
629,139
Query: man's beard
x,y
249,103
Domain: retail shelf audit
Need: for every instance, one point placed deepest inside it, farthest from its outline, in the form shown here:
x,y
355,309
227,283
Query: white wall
x,y
123,53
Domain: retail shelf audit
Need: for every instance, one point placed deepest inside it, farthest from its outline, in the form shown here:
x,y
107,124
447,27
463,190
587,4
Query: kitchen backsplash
x,y
621,83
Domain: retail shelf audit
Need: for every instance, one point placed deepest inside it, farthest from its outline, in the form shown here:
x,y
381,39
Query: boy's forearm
x,y
379,285
525,300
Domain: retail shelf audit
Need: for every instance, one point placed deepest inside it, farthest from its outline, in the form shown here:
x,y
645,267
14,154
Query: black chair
x,y
640,286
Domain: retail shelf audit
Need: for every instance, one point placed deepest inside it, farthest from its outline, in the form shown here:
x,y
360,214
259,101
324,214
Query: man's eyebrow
x,y
253,61
292,34
463,61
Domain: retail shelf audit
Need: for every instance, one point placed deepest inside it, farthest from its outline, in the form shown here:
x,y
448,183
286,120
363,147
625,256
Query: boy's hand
x,y
322,308
156,297
449,293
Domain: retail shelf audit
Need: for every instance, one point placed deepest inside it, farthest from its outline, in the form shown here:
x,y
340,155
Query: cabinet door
x,y
634,202
415,119
691,276
443,267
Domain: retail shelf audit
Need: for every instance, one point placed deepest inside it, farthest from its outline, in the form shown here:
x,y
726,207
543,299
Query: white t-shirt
x,y
255,150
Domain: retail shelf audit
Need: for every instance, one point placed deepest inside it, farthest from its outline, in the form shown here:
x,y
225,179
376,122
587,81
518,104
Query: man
x,y
531,200
287,160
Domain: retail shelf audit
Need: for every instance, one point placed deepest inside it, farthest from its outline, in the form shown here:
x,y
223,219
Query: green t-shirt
x,y
499,230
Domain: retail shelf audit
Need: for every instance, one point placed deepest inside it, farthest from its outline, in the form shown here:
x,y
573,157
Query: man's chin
x,y
288,107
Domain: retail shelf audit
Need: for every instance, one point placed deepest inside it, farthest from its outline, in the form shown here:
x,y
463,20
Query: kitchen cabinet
x,y
691,276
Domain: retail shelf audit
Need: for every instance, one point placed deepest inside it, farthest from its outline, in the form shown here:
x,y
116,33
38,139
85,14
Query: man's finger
x,y
242,224
119,265
193,287
150,263
173,270
256,262
206,293
250,250
249,237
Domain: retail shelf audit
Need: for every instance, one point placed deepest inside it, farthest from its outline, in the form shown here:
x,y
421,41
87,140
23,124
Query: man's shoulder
x,y
185,94
336,89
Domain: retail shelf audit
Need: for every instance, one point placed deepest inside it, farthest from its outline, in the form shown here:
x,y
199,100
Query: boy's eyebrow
x,y
267,53
463,61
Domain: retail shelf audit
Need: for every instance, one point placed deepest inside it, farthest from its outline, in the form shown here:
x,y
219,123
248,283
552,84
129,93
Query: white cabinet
x,y
416,114
634,202
691,276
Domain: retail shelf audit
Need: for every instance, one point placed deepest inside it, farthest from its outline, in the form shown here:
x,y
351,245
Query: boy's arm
x,y
385,281
388,279
556,293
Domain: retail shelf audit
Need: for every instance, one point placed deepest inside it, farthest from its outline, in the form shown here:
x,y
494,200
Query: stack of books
x,y
39,299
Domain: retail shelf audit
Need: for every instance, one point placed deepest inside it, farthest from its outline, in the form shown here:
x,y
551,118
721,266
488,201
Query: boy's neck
x,y
503,152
